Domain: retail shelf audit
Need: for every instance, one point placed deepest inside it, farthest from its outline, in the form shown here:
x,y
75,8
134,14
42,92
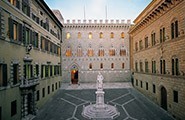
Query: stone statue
x,y
99,81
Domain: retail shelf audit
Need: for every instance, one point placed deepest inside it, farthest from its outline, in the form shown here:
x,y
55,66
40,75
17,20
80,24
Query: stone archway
x,y
74,74
163,98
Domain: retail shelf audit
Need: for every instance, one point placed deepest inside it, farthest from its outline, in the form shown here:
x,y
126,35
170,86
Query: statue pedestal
x,y
100,109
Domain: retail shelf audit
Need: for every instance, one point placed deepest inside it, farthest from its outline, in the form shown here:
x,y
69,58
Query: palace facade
x,y
30,59
95,46
157,54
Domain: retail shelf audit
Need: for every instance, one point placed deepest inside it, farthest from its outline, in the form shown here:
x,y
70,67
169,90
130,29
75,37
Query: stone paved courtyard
x,y
68,102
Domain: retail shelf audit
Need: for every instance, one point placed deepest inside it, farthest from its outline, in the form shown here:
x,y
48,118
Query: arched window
x,y
122,35
101,51
162,34
90,66
79,35
101,35
136,66
101,65
68,52
153,41
122,51
68,35
111,35
174,29
123,65
175,66
162,66
79,51
90,52
112,65
90,35
141,66
112,51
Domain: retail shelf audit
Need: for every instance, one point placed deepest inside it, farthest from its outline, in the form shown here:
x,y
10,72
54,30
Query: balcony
x,y
27,83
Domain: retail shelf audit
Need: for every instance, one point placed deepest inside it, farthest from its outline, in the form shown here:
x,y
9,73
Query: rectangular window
x,y
146,85
13,108
146,42
51,70
55,85
136,82
46,71
26,7
35,41
141,83
162,35
42,71
154,88
153,39
15,3
38,95
52,87
162,67
140,45
43,92
153,66
136,46
141,66
28,71
37,70
3,75
175,96
136,66
176,29
42,43
15,73
146,66
48,89
59,84
172,31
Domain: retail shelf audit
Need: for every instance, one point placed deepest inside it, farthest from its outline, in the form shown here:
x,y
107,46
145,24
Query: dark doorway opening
x,y
163,98
74,76
30,104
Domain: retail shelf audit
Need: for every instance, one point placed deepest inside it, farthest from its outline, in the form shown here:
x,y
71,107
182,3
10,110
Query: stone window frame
x,y
68,52
123,51
146,40
162,66
122,35
13,82
68,35
175,70
90,35
79,35
162,34
101,35
4,73
112,35
153,38
79,52
174,28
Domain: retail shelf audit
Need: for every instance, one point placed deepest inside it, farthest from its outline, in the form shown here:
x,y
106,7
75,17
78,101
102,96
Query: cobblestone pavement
x,y
68,102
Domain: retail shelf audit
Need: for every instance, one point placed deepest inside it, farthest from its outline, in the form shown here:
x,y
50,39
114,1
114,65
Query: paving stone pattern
x,y
68,105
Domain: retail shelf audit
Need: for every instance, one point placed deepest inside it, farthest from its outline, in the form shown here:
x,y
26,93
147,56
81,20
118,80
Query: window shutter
x,y
10,28
18,4
31,70
28,7
24,35
20,32
25,71
4,74
0,25
31,37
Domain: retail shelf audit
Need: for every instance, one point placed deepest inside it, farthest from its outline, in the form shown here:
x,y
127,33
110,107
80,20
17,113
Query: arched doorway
x,y
163,98
74,74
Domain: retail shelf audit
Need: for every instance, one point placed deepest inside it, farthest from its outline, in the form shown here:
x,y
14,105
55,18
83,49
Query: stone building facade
x,y
30,59
95,46
157,54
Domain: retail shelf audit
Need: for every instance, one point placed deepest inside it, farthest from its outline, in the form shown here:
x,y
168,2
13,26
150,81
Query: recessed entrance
x,y
163,98
74,74
30,104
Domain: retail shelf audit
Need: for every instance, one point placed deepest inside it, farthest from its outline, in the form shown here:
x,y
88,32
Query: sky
x,y
99,9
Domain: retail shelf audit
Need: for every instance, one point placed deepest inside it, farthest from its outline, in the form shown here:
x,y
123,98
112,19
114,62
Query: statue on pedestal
x,y
99,84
